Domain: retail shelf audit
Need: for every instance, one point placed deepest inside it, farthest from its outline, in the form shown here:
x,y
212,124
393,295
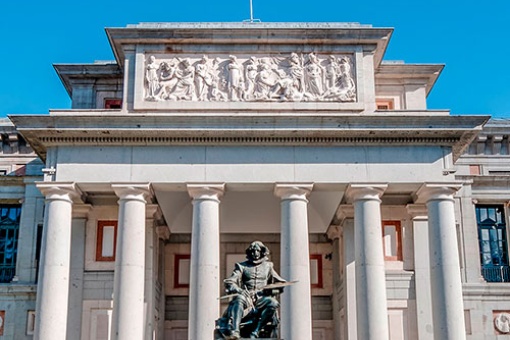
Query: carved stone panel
x,y
243,78
502,322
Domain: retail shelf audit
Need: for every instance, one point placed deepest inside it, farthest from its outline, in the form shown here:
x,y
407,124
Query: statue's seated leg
x,y
229,324
268,307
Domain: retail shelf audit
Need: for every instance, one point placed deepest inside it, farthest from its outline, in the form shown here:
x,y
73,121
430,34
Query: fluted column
x,y
129,278
296,311
204,306
446,285
53,285
372,310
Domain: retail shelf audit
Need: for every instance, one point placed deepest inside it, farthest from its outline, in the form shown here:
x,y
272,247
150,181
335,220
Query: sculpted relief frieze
x,y
293,78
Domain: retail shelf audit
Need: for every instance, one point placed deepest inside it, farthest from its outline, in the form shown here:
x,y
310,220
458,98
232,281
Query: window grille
x,y
9,228
493,243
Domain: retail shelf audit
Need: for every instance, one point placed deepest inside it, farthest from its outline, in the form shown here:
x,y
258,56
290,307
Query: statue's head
x,y
256,251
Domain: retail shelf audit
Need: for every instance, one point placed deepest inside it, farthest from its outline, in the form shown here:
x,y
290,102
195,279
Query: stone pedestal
x,y
296,311
129,279
53,285
204,307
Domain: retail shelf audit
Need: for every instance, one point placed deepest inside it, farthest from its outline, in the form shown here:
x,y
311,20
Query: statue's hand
x,y
234,290
272,292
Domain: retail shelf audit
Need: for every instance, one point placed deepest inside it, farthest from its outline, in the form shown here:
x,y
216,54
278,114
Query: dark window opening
x,y
493,243
9,228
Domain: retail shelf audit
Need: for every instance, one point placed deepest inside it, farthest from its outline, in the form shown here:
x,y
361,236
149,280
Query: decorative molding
x,y
53,141
245,78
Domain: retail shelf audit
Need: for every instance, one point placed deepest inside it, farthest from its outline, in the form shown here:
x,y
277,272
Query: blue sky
x,y
471,38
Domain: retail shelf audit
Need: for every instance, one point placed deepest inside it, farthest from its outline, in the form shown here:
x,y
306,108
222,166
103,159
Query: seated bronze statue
x,y
253,286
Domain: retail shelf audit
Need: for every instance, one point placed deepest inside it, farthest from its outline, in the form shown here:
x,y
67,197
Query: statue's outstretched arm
x,y
232,282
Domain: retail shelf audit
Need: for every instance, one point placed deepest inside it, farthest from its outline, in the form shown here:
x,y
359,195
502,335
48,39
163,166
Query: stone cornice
x,y
69,73
159,129
235,34
428,72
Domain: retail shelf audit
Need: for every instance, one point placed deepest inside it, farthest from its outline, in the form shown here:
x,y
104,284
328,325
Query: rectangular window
x,y
384,104
112,104
493,242
392,240
106,240
316,270
9,228
182,270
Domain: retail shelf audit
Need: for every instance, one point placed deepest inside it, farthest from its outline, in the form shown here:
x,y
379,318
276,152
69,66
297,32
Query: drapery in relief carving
x,y
296,78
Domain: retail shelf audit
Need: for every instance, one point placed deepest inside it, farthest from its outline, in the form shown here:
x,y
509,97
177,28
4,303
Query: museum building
x,y
121,216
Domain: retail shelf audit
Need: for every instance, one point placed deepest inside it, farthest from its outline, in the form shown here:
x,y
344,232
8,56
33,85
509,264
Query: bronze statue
x,y
253,285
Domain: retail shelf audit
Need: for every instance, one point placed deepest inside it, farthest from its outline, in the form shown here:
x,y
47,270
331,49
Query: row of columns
x,y
437,276
128,299
370,288
205,262
129,277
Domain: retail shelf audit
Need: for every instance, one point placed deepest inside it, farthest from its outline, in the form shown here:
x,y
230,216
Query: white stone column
x,y
296,313
77,267
129,278
346,214
372,310
446,286
204,307
53,285
420,225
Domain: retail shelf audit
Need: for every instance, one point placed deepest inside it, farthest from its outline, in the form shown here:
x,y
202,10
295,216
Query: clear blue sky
x,y
471,38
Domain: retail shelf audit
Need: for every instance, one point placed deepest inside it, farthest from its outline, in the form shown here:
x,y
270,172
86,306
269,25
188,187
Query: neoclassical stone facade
x,y
200,138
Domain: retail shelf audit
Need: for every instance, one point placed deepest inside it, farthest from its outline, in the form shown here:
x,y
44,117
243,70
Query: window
x,y
384,104
9,227
106,240
113,104
316,271
493,243
392,240
182,270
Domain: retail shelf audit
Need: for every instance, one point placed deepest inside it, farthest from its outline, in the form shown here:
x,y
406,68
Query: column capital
x,y
334,232
365,191
151,210
206,191
417,211
81,210
293,191
163,232
63,191
344,211
132,191
436,191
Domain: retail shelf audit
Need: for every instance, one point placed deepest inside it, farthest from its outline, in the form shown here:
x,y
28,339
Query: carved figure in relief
x,y
314,78
151,76
253,309
184,87
251,71
251,79
235,79
203,79
167,79
332,72
297,73
344,87
264,82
